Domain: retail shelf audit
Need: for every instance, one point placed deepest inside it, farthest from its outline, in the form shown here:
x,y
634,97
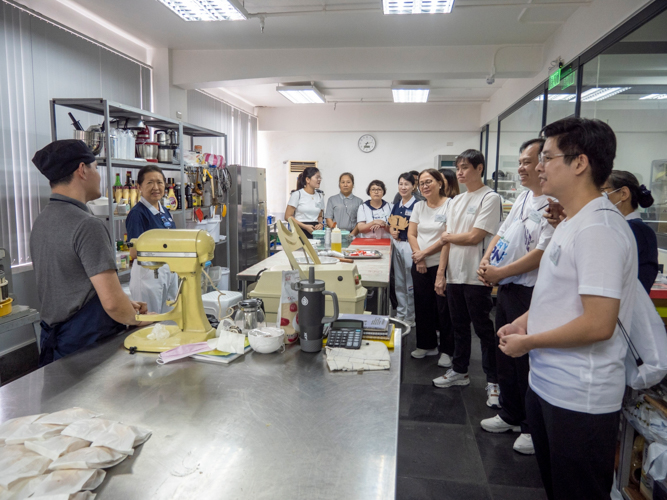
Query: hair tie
x,y
643,189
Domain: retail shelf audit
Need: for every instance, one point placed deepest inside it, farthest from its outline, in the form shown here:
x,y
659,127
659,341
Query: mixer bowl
x,y
148,150
94,140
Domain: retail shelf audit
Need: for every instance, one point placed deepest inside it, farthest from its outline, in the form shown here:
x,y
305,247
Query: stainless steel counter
x,y
266,426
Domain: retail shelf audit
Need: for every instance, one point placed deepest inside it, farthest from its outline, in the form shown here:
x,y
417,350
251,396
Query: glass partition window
x,y
522,125
628,90
562,99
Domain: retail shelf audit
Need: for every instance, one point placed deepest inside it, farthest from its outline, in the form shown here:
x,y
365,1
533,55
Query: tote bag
x,y
646,359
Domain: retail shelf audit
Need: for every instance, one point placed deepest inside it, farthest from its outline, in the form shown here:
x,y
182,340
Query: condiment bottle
x,y
133,196
172,198
336,240
117,194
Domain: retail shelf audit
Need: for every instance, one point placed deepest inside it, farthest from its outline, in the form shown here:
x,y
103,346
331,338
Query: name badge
x,y
535,216
471,210
555,255
408,213
440,218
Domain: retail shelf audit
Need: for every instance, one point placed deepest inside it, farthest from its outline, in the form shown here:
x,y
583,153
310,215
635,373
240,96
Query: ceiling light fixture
x,y
417,6
409,93
654,96
302,94
599,94
206,10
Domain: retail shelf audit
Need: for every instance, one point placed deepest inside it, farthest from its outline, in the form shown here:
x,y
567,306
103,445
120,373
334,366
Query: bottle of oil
x,y
336,240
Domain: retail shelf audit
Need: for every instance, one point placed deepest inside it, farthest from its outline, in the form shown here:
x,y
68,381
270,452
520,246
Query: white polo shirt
x,y
524,230
592,253
307,207
367,213
480,209
430,225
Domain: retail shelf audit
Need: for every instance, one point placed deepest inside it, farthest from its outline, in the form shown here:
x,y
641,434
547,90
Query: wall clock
x,y
367,143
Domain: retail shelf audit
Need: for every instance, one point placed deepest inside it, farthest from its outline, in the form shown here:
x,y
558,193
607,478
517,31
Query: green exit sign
x,y
568,76
554,79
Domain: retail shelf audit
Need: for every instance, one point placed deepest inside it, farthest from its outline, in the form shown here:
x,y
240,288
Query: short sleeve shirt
x,y
343,210
404,211
307,207
524,230
145,216
367,213
481,209
431,224
593,253
68,246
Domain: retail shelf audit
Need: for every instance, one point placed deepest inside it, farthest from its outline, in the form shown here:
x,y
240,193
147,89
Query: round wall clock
x,y
367,143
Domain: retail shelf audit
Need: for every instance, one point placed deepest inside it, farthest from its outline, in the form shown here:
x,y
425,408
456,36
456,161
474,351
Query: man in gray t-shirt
x,y
73,256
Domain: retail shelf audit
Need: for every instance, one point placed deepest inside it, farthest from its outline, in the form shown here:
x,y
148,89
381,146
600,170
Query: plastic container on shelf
x,y
210,225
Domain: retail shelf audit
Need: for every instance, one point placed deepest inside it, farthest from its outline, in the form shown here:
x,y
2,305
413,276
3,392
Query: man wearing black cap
x,y
73,256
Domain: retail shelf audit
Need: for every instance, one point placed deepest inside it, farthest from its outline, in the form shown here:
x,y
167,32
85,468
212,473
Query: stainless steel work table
x,y
266,426
374,272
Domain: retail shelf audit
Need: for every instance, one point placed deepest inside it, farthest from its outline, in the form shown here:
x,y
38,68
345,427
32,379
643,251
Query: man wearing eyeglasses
x,y
74,258
511,262
586,282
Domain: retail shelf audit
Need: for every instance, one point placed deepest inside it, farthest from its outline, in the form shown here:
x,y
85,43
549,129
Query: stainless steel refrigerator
x,y
247,240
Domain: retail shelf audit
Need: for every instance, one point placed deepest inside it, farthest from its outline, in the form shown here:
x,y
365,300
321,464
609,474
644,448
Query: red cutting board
x,y
363,242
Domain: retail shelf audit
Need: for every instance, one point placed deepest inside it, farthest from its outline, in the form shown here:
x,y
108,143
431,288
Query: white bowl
x,y
97,209
267,339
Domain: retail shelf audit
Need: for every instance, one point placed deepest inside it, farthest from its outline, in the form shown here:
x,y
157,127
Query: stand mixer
x,y
186,251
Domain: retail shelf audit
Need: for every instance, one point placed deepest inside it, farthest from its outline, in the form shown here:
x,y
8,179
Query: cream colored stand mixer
x,y
186,251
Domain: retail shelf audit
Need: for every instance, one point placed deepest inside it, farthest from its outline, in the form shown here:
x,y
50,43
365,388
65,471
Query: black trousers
x,y
431,313
472,303
575,451
513,301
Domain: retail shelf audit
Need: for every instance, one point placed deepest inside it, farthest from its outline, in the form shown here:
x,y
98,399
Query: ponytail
x,y
640,196
307,173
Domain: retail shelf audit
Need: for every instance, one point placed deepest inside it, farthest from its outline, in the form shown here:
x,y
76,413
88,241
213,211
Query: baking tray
x,y
376,255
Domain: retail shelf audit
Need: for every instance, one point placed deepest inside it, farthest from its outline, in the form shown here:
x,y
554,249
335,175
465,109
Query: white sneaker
x,y
445,361
451,378
497,425
493,396
420,353
524,445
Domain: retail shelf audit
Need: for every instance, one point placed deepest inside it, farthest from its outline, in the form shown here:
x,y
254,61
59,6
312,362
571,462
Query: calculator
x,y
346,334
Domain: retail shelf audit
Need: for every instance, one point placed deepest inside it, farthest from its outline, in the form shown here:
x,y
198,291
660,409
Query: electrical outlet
x,y
179,115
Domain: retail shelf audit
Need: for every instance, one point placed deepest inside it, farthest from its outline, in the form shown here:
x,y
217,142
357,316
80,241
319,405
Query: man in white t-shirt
x,y
473,218
511,261
586,281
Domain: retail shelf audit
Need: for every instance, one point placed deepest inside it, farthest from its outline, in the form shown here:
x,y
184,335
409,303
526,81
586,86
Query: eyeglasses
x,y
426,183
545,159
376,190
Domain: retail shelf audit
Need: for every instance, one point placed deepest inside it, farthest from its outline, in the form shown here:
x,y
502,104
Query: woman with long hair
x,y
623,190
306,204
427,223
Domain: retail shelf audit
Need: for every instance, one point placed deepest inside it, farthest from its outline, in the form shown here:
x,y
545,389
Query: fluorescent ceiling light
x,y
417,6
410,94
206,10
654,96
598,94
302,94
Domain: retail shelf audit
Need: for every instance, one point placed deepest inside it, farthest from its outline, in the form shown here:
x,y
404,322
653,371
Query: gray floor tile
x,y
514,493
410,488
426,403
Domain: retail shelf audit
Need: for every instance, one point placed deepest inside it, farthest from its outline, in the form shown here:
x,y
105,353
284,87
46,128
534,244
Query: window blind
x,y
241,128
40,61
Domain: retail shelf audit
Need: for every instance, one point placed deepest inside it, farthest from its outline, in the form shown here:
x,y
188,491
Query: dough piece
x,y
56,446
94,457
66,417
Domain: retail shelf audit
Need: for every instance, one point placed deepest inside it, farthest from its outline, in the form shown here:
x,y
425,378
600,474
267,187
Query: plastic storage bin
x,y
212,226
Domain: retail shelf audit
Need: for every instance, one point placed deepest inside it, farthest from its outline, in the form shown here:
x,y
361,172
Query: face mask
x,y
182,351
606,195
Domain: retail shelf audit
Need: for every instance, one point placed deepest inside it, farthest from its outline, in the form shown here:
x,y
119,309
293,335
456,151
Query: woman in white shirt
x,y
373,214
306,204
427,223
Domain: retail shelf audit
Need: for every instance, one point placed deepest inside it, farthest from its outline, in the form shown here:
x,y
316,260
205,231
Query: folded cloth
x,y
11,453
21,468
9,427
56,446
66,417
67,482
103,432
34,432
22,488
371,356
95,457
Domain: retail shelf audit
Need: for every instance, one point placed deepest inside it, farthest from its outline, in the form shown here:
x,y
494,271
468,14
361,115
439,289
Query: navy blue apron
x,y
88,325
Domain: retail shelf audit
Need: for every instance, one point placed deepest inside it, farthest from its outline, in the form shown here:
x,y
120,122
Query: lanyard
x,y
538,210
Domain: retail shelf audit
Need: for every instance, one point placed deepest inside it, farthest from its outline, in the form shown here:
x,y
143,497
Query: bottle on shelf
x,y
128,178
117,189
188,195
177,193
172,198
134,195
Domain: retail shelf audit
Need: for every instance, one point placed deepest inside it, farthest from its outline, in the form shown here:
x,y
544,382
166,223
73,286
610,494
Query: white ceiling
x,y
299,24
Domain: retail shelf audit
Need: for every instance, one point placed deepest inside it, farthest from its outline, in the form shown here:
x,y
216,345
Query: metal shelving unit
x,y
112,110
